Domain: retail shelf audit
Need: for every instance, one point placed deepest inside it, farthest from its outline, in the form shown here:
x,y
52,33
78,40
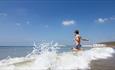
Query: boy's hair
x,y
76,32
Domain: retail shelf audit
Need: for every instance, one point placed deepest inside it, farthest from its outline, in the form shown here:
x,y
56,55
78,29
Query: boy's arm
x,y
84,39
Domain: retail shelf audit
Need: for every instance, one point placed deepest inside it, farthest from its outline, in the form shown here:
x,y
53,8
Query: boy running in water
x,y
77,40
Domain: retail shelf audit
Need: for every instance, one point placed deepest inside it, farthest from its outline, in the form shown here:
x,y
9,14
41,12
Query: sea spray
x,y
45,56
40,48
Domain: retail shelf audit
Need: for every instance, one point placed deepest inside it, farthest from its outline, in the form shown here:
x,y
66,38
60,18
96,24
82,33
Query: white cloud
x,y
68,22
102,20
18,24
105,20
112,18
3,14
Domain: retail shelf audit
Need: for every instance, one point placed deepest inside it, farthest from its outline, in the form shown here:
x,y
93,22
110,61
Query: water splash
x,y
45,56
40,48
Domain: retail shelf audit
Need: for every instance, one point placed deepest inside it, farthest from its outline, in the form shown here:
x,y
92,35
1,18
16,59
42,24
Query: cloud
x,y
18,24
68,22
102,20
3,14
112,18
105,20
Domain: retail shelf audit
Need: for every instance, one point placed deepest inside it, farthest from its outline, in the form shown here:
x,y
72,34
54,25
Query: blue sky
x,y
28,20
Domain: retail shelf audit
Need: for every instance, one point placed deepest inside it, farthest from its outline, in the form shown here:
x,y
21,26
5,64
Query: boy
x,y
77,40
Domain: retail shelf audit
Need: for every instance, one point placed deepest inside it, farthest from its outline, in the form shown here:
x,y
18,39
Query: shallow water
x,y
47,56
14,51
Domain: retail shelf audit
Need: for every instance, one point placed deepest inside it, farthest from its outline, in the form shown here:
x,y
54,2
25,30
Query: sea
x,y
53,56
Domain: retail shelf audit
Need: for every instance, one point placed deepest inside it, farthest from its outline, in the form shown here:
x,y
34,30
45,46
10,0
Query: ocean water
x,y
14,51
52,56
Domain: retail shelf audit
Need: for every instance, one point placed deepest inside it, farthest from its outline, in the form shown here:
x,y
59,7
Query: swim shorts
x,y
78,46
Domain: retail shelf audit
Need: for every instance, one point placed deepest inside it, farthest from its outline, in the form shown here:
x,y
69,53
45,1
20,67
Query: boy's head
x,y
76,32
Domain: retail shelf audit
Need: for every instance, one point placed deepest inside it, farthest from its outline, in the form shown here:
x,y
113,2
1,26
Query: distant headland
x,y
109,44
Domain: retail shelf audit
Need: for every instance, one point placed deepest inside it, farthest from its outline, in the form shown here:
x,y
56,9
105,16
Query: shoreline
x,y
103,64
109,44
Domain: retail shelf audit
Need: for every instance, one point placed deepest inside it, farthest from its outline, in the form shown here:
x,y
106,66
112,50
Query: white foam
x,y
45,56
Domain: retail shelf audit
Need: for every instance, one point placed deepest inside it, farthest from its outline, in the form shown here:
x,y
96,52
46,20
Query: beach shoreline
x,y
103,64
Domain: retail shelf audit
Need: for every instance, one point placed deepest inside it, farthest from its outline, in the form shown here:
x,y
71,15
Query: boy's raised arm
x,y
84,39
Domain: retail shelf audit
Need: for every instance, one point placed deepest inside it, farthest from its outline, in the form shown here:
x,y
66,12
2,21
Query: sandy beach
x,y
103,64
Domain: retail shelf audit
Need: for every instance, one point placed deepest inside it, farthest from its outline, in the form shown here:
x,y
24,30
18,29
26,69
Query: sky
x,y
36,20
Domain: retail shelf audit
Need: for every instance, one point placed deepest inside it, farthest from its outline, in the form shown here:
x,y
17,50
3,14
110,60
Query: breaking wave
x,y
45,56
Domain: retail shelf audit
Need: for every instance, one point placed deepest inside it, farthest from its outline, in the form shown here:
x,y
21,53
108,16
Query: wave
x,y
45,56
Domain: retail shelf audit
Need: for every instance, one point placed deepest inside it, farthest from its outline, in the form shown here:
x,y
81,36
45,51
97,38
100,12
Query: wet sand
x,y
103,64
